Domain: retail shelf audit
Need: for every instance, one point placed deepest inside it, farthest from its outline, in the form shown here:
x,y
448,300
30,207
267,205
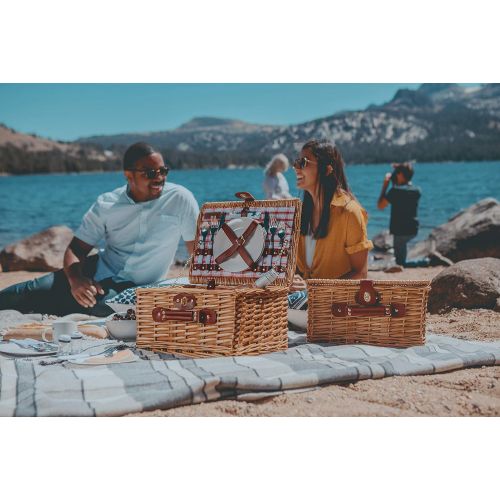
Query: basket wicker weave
x,y
393,317
233,318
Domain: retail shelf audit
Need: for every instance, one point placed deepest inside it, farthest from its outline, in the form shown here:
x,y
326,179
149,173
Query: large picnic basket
x,y
384,313
220,313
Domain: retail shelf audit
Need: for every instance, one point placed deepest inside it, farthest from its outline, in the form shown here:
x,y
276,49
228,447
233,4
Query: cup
x,y
60,327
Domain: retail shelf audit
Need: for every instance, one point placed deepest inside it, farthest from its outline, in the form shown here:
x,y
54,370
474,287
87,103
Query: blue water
x,y
31,203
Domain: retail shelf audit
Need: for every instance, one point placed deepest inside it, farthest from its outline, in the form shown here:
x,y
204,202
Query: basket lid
x,y
239,241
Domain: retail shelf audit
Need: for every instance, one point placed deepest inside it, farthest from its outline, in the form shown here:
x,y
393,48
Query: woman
x,y
333,239
275,184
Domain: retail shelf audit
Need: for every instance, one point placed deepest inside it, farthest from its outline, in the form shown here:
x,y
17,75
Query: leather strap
x,y
204,316
238,244
367,295
343,310
244,195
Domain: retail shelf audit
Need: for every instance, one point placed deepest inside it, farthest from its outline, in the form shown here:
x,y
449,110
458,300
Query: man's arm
x,y
382,200
359,266
83,289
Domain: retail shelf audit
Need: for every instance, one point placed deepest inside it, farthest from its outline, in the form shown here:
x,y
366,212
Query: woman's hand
x,y
298,284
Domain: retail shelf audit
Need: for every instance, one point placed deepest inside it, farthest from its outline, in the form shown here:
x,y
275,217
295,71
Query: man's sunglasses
x,y
152,173
301,163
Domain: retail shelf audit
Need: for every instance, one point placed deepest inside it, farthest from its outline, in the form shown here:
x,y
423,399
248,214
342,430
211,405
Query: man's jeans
x,y
51,294
400,252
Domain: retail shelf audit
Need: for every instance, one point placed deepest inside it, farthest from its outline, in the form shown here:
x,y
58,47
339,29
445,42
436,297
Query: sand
x,y
471,392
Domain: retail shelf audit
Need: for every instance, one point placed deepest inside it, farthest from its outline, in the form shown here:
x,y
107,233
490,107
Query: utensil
x,y
204,232
214,226
81,357
37,345
273,228
281,232
222,219
265,222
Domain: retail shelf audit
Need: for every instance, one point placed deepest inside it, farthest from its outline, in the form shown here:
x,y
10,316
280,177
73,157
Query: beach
x,y
470,392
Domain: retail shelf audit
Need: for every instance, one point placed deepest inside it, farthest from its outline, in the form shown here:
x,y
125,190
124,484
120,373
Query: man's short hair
x,y
405,168
135,152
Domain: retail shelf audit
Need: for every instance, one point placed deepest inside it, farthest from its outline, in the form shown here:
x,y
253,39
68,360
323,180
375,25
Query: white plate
x,y
15,350
99,359
253,245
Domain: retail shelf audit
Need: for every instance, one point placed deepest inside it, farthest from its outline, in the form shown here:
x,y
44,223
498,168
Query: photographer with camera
x,y
403,197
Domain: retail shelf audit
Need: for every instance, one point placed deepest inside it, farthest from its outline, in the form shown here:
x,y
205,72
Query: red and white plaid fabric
x,y
281,214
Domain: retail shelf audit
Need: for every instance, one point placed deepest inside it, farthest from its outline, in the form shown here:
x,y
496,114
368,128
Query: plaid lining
x,y
281,214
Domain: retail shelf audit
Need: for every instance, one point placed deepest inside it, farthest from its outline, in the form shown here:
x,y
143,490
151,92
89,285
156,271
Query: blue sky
x,y
69,111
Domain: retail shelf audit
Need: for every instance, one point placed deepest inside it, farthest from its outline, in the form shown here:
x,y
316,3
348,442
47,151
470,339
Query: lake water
x,y
31,203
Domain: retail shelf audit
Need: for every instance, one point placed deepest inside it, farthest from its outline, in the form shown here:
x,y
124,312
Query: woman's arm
x,y
359,266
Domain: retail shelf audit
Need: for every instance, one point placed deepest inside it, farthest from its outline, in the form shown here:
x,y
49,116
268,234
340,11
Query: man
x,y
404,198
140,225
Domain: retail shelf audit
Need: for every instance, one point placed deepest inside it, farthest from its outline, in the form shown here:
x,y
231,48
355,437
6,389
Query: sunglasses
x,y
301,163
152,173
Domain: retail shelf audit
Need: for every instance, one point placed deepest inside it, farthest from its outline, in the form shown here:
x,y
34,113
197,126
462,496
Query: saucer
x,y
15,350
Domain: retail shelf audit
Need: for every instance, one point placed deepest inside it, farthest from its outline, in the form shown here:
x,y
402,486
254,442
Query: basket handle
x,y
245,196
204,316
343,310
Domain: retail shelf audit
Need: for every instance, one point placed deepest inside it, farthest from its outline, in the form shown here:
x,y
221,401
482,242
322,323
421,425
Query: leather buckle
x,y
184,301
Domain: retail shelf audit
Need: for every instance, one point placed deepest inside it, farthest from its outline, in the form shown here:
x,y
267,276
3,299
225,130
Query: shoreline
x,y
238,167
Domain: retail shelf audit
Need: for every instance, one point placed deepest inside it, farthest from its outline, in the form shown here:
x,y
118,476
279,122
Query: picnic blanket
x,y
165,381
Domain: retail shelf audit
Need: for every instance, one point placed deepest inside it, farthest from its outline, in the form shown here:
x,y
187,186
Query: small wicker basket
x,y
384,313
232,318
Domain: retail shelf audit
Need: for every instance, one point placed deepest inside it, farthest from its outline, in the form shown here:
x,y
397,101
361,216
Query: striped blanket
x,y
161,381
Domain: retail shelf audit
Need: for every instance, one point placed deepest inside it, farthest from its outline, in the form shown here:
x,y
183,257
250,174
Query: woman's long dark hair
x,y
326,154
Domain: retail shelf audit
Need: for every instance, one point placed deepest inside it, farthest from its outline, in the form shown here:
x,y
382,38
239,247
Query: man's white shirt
x,y
140,239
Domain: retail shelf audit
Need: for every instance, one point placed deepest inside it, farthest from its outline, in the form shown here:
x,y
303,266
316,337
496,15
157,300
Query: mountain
x,y
436,122
24,153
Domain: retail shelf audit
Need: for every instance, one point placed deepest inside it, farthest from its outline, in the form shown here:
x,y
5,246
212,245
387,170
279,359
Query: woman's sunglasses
x,y
301,163
152,173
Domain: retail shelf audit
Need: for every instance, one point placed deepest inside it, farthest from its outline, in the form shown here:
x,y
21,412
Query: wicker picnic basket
x,y
384,313
220,313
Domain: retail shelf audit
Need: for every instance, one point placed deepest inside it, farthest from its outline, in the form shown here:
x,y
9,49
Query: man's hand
x,y
298,284
84,291
387,177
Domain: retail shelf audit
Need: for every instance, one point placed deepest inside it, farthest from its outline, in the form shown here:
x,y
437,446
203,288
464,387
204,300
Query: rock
x,y
469,284
394,269
497,306
383,241
43,251
471,234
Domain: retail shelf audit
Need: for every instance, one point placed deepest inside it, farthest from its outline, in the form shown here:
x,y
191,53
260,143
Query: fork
x,y
214,226
273,227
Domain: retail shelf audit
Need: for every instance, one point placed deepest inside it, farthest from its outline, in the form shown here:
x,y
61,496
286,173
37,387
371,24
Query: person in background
x,y
275,184
333,235
140,225
403,198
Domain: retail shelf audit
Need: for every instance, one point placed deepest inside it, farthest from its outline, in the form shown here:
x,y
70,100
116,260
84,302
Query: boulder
x,y
469,284
471,234
43,251
383,241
